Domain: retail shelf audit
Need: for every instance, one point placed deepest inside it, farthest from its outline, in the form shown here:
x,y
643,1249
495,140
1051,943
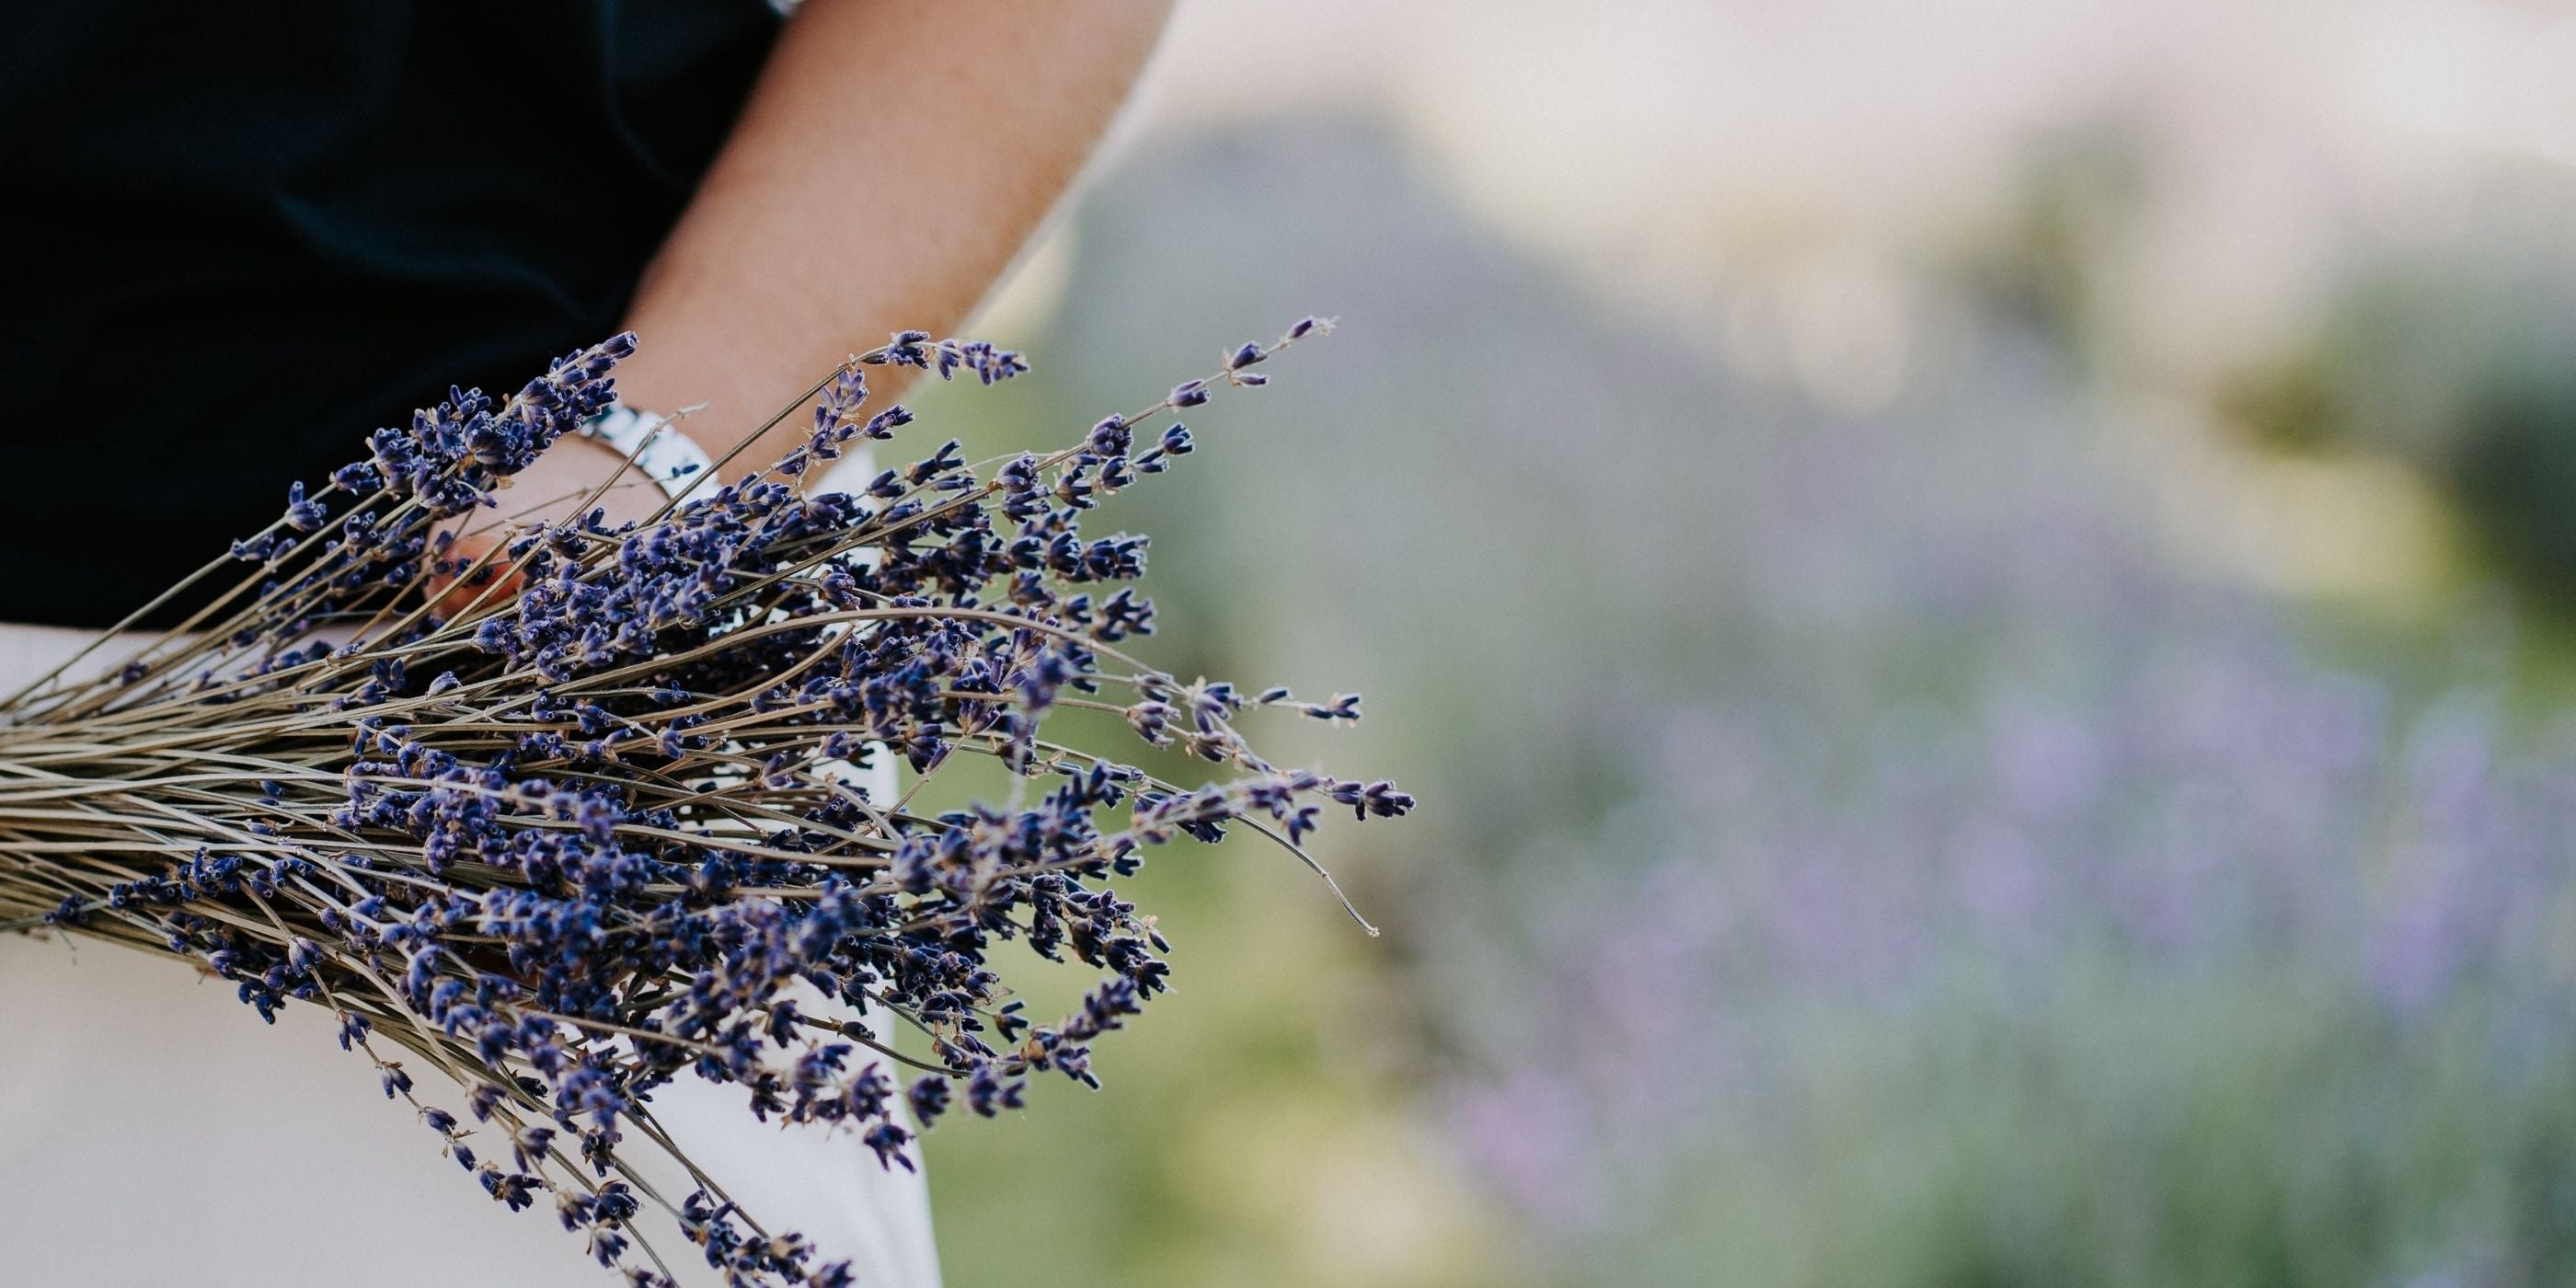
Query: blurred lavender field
x,y
1912,798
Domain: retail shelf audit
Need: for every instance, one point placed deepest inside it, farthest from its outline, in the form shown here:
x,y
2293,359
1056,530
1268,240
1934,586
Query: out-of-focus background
x,y
1981,597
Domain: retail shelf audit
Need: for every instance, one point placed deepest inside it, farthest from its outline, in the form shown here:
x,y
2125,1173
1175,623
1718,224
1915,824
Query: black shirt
x,y
239,236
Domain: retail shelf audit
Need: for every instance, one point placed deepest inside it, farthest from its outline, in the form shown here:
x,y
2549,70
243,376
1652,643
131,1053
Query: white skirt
x,y
153,1131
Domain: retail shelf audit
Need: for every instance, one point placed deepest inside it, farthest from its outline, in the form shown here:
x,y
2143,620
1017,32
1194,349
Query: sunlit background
x,y
1979,595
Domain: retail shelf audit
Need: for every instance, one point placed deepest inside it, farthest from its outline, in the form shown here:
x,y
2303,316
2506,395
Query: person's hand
x,y
551,488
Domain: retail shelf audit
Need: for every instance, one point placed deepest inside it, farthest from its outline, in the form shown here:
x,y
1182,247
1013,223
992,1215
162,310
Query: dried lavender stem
x,y
575,834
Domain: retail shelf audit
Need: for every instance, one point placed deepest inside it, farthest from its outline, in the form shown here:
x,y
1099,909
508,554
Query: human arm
x,y
890,162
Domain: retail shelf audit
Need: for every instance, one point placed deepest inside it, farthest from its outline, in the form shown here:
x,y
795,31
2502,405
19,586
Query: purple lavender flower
x,y
580,839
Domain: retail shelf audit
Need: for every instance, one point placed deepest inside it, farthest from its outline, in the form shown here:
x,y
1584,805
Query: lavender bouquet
x,y
589,820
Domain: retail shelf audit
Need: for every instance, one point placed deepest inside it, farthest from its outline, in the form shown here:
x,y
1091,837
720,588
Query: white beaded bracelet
x,y
665,455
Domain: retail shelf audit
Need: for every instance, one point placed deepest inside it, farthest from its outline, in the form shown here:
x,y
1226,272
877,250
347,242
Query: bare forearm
x,y
891,162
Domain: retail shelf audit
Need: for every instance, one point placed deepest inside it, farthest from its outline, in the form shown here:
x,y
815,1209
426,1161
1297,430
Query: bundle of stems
x,y
566,817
